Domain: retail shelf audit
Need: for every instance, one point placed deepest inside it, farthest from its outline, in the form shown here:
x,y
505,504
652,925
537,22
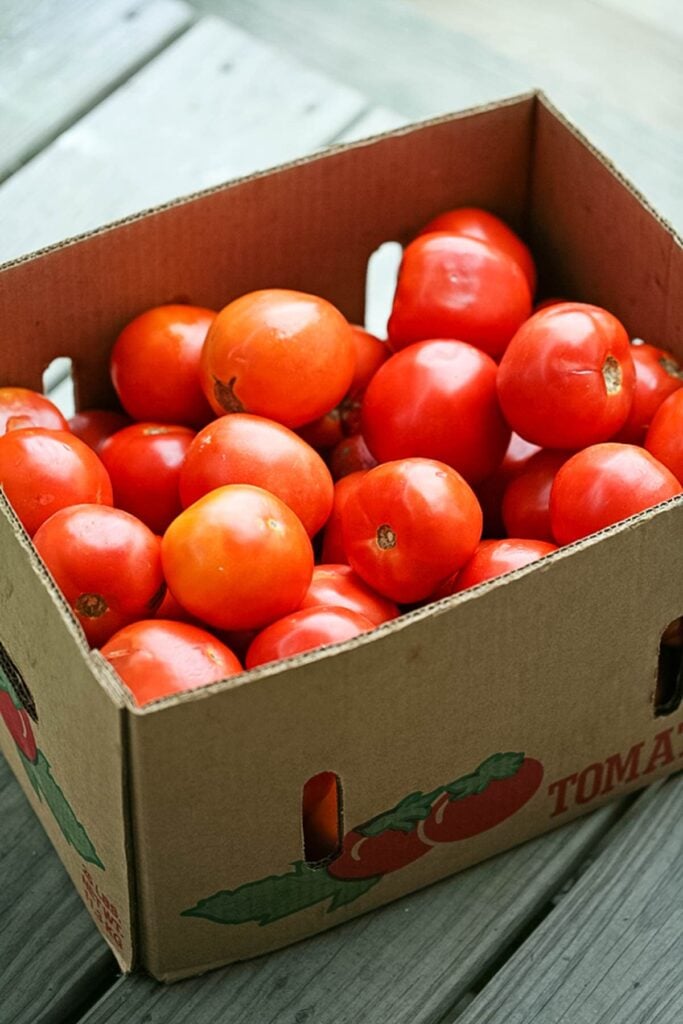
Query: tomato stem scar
x,y
611,374
91,605
386,538
225,395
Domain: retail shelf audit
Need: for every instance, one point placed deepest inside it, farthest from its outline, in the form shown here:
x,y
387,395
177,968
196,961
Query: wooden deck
x,y
108,106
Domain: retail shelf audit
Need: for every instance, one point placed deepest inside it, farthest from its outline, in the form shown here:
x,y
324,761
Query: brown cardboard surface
x,y
557,662
80,762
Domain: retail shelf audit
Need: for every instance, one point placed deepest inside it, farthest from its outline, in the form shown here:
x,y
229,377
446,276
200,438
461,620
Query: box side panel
x,y
310,226
556,665
597,240
62,736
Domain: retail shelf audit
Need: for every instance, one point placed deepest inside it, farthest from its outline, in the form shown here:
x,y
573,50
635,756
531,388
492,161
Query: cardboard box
x,y
180,823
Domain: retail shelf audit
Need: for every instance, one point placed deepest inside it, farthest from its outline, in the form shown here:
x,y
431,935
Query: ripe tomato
x,y
437,400
171,608
43,470
156,658
351,455
496,557
409,525
567,378
477,223
243,449
658,375
304,631
320,816
604,484
239,558
155,365
340,587
664,438
526,502
107,565
333,551
450,286
144,463
94,426
280,354
323,433
370,354
491,490
31,407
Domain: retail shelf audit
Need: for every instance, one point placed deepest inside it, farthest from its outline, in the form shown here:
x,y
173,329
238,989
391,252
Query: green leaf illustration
x,y
48,790
403,817
277,896
496,767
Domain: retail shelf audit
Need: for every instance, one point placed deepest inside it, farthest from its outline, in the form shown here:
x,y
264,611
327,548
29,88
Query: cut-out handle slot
x,y
380,285
321,817
669,686
59,387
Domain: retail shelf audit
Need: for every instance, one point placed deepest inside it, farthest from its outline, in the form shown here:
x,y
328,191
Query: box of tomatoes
x,y
297,620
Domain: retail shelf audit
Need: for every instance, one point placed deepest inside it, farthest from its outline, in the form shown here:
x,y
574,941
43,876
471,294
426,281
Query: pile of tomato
x,y
277,479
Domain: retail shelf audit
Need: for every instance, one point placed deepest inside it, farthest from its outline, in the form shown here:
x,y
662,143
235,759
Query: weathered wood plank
x,y
58,59
408,962
610,951
51,955
214,105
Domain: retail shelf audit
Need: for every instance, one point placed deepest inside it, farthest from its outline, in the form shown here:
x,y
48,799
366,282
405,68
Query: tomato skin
x,y
490,491
156,658
276,353
320,815
144,462
365,856
333,550
474,222
155,365
604,484
454,820
567,378
95,426
19,726
239,558
323,433
495,557
340,587
305,630
171,608
351,455
243,449
664,438
526,502
34,409
658,375
409,525
451,286
44,470
437,400
370,353
107,565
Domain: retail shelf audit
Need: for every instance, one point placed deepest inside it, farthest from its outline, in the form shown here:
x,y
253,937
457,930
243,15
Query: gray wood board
x,y
406,963
609,953
52,957
58,59
214,105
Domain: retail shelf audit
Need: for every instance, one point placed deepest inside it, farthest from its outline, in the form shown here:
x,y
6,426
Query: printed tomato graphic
x,y
364,856
19,726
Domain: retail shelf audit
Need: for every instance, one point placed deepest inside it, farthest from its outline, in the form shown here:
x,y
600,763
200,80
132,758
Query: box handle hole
x,y
321,817
59,385
669,686
380,285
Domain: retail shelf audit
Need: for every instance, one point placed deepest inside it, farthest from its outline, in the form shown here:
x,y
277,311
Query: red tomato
x,y
567,378
304,631
491,490
320,816
43,470
144,463
155,365
157,658
323,433
32,408
665,436
239,558
496,557
477,223
94,426
107,565
604,484
526,502
333,551
280,354
242,449
339,586
171,608
658,375
409,525
370,354
351,455
450,286
437,400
